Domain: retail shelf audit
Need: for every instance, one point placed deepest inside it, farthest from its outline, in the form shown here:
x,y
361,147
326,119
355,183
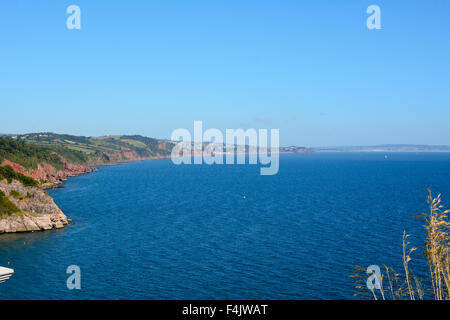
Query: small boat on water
x,y
5,274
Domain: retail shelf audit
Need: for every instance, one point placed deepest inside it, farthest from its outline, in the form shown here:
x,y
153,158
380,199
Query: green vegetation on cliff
x,y
27,155
89,150
6,172
7,208
50,157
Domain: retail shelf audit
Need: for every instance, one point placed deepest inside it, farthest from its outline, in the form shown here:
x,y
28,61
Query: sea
x,y
156,230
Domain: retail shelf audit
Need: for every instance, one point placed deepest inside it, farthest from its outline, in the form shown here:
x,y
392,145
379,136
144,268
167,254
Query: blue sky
x,y
310,68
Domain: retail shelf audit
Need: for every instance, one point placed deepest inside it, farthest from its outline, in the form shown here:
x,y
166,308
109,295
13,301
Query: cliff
x,y
27,208
32,162
47,175
50,158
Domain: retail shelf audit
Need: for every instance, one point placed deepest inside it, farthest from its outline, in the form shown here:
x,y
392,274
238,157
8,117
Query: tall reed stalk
x,y
437,247
437,253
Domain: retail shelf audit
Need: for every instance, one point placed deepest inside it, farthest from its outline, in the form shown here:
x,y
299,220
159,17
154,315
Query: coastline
x,y
53,218
40,213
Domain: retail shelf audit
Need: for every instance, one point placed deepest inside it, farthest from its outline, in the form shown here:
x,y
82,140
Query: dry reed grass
x,y
407,285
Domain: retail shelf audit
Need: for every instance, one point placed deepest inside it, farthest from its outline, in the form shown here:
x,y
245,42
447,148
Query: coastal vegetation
x,y
6,172
50,158
27,208
31,162
396,286
31,149
27,155
82,150
7,208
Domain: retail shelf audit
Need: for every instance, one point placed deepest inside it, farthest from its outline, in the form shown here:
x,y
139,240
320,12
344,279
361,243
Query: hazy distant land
x,y
385,148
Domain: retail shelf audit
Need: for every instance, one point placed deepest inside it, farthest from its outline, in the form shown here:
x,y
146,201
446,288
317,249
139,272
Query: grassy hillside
x,y
27,155
37,147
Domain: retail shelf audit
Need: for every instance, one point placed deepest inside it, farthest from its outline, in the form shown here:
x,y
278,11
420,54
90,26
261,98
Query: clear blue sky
x,y
310,68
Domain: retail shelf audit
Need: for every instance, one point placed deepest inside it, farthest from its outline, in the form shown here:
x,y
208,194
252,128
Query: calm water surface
x,y
153,230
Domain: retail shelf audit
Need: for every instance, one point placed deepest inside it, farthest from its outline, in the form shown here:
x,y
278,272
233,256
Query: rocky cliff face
x,y
49,159
162,151
48,175
38,212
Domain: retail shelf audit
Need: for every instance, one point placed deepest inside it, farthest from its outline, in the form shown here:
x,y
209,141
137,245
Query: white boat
x,y
5,274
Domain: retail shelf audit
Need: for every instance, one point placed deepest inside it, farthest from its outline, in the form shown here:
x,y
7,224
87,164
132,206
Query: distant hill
x,y
50,157
99,150
294,149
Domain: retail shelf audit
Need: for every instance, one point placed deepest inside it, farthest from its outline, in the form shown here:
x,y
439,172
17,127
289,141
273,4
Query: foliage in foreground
x,y
437,253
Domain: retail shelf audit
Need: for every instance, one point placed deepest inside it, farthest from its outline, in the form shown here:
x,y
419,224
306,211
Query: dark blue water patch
x,y
154,230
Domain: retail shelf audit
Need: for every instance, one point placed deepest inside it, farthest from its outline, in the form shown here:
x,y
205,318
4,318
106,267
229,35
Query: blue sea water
x,y
153,230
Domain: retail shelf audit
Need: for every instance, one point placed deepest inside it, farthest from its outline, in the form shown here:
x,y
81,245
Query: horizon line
x,y
382,145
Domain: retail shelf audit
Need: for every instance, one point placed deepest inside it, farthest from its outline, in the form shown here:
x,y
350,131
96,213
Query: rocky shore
x,y
33,162
48,176
38,211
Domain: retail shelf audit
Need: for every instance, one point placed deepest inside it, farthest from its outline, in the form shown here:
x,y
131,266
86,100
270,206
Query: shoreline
x,y
60,183
25,221
52,218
